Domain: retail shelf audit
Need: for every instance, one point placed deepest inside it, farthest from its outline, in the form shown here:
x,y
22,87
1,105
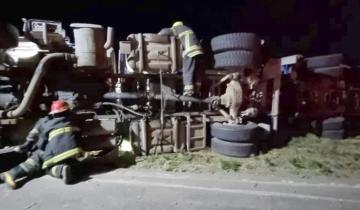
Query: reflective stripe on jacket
x,y
60,131
189,41
62,156
57,139
61,145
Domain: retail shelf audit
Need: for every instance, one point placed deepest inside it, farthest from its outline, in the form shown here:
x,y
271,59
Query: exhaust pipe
x,y
39,73
109,38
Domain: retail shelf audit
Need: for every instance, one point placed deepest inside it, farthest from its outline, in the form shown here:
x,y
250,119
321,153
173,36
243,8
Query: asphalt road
x,y
134,189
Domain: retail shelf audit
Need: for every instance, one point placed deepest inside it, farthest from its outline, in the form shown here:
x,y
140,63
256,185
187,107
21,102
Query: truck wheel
x,y
352,123
334,123
330,71
324,61
333,134
235,133
353,133
236,41
232,149
236,59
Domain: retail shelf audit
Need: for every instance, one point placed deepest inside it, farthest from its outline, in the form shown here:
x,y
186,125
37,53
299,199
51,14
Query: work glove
x,y
214,101
93,153
26,147
188,91
87,155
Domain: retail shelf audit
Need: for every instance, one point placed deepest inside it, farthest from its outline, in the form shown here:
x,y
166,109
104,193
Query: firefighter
x,y
191,50
52,145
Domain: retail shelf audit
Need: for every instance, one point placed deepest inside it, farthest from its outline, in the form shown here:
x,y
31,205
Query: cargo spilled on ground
x,y
304,157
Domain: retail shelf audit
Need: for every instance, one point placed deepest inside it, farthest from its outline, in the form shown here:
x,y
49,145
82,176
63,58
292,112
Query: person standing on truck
x,y
191,50
52,145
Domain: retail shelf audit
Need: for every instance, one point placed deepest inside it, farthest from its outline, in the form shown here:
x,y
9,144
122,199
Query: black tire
x,y
333,134
6,85
352,133
235,133
330,71
324,61
236,59
352,123
6,88
232,149
334,123
236,41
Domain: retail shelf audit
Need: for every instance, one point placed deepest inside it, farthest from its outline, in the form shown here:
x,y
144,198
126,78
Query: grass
x,y
304,156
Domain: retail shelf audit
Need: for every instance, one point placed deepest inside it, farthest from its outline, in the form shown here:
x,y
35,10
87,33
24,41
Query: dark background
x,y
289,26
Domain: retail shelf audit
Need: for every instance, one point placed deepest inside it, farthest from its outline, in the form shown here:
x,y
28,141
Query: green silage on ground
x,y
304,156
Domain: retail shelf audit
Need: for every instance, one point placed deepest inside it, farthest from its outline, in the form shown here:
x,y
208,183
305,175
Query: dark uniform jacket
x,y
56,137
190,44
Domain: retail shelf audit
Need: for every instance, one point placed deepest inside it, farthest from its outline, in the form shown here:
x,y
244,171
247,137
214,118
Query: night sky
x,y
289,26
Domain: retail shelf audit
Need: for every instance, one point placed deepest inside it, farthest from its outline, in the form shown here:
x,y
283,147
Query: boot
x,y
62,171
2,178
11,176
66,174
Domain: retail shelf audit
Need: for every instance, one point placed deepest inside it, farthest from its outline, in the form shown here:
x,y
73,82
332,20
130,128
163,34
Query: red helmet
x,y
59,106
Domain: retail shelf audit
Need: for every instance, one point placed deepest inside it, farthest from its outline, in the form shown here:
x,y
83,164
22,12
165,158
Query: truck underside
x,y
239,100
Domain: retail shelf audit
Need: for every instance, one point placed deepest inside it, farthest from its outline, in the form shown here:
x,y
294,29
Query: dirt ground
x,y
304,157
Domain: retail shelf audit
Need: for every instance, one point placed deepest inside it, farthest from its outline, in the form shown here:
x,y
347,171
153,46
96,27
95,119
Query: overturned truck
x,y
241,102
